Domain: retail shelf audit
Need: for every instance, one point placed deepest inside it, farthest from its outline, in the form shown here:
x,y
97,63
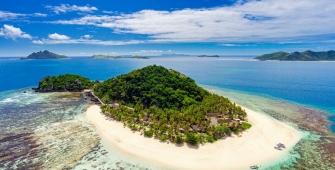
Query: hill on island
x,y
65,82
45,55
152,86
208,56
166,104
105,56
297,56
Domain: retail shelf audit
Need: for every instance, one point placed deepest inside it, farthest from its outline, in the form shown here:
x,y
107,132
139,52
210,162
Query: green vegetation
x,y
151,86
179,139
163,137
192,138
296,56
246,126
140,57
45,55
66,82
168,105
208,56
148,133
105,56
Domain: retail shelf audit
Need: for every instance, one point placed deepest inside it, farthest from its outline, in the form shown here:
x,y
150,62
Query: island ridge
x,y
297,56
44,55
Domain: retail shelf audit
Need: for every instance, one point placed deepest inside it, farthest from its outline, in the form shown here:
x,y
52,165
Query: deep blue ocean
x,y
307,83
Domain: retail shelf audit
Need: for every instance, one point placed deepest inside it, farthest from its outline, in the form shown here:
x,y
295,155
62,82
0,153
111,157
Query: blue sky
x,y
151,27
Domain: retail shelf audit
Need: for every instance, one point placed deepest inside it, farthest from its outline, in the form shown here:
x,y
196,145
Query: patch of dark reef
x,y
317,149
42,127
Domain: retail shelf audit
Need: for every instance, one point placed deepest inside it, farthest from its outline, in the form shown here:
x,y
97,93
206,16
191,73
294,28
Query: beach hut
x,y
114,105
209,115
214,121
195,128
224,121
145,118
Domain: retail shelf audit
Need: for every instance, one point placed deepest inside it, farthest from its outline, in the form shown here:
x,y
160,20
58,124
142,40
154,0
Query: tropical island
x,y
299,56
208,56
159,102
170,106
44,55
140,57
105,56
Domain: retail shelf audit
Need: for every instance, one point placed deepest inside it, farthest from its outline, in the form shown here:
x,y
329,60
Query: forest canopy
x,y
297,56
65,82
152,86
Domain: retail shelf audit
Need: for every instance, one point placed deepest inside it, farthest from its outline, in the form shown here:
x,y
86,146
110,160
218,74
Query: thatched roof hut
x,y
114,105
224,120
214,121
195,128
145,118
211,114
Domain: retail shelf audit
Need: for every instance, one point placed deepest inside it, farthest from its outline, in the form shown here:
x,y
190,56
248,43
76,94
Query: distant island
x,y
105,56
140,57
120,56
297,56
208,56
173,54
160,103
44,55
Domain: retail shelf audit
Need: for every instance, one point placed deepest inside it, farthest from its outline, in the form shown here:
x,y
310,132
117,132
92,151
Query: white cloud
x,y
9,15
56,36
245,21
147,51
63,39
108,12
230,45
4,15
64,8
37,42
87,36
39,15
9,31
238,45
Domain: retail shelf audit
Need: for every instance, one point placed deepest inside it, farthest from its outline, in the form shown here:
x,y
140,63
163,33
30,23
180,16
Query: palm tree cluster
x,y
189,124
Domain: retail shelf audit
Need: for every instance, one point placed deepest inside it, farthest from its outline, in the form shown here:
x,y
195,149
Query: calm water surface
x,y
310,83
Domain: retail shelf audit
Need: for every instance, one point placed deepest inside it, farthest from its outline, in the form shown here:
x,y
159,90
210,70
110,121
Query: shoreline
x,y
255,147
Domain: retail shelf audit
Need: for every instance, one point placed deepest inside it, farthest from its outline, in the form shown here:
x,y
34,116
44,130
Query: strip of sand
x,y
255,147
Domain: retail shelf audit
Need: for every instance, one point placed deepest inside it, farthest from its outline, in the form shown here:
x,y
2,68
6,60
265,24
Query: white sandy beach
x,y
255,147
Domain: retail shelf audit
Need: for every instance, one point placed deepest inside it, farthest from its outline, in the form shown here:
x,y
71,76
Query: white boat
x,y
254,167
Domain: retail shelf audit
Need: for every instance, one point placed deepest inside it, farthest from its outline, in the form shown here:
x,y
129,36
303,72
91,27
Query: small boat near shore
x,y
254,167
280,146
